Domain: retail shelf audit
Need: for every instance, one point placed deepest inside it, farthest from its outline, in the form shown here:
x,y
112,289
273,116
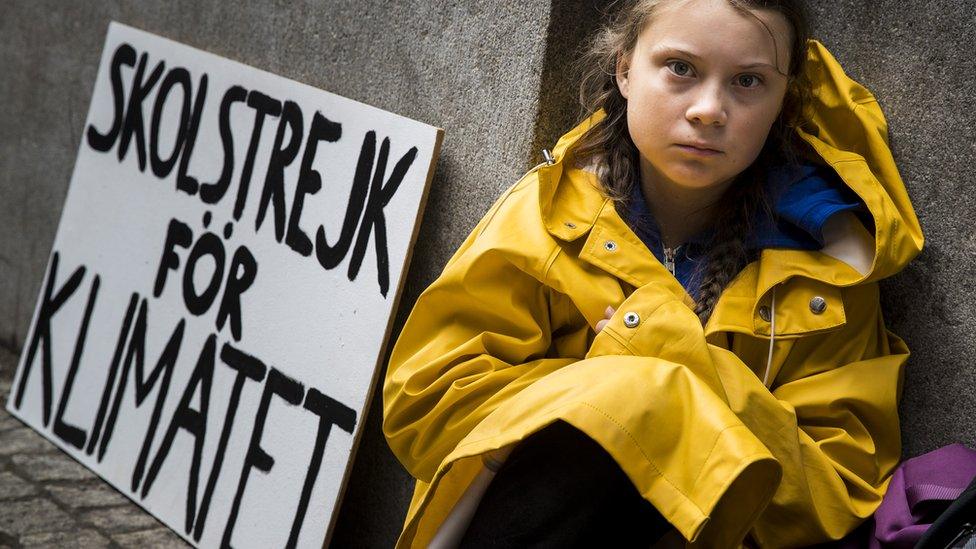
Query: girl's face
x,y
703,90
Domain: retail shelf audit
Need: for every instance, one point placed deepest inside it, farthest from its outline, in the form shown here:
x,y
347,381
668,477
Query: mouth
x,y
698,148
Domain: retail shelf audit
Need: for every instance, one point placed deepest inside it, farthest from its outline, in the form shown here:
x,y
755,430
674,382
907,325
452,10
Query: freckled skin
x,y
673,98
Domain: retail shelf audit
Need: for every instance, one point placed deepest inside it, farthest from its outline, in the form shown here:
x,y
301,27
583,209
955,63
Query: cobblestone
x,y
17,441
120,519
49,500
157,539
83,539
43,467
14,487
87,495
33,516
8,421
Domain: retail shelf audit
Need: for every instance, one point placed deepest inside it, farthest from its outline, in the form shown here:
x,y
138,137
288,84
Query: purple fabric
x,y
921,488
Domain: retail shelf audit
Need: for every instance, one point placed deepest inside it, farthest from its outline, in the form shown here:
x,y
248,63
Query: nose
x,y
708,107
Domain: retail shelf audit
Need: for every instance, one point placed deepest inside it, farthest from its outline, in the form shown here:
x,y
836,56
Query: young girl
x,y
673,324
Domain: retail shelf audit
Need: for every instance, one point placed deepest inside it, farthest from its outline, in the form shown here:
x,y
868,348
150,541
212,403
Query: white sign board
x,y
220,290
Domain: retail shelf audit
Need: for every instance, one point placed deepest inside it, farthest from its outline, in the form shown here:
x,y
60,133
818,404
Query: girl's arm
x,y
831,419
843,396
476,336
456,360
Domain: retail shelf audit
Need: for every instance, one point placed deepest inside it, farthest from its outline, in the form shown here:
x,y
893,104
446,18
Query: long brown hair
x,y
608,144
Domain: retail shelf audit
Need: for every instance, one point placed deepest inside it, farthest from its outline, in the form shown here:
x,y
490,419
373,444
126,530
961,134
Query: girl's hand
x,y
607,314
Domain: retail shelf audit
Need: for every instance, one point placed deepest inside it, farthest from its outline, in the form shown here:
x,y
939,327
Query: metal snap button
x,y
764,313
547,156
610,245
818,305
570,225
631,319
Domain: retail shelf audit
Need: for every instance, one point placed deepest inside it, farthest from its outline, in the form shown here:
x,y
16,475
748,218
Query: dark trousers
x,y
559,488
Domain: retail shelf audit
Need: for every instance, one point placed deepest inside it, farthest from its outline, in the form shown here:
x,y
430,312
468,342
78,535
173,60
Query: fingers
x,y
608,312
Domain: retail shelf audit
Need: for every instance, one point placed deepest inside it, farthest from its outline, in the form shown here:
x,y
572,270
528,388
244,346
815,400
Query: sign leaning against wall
x,y
220,290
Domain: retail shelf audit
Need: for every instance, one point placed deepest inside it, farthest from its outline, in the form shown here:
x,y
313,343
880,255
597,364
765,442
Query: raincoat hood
x,y
845,127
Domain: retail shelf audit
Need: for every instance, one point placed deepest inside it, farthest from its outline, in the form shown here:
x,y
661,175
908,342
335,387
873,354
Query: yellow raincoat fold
x,y
775,425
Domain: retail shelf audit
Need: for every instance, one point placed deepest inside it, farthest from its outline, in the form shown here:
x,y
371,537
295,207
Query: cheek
x,y
647,116
644,130
754,131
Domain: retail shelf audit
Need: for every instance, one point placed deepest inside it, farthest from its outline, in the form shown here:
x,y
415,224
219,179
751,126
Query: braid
x,y
727,255
621,161
609,144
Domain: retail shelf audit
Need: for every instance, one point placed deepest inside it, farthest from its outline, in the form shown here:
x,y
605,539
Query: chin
x,y
694,179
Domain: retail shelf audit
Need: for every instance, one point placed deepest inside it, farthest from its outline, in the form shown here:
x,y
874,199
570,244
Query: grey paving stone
x,y
44,467
86,495
80,539
157,539
13,487
123,519
23,440
34,516
8,421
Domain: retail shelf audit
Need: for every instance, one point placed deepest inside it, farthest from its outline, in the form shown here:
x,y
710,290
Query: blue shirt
x,y
804,198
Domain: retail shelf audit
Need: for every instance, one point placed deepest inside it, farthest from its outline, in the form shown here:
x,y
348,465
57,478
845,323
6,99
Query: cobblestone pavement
x,y
48,499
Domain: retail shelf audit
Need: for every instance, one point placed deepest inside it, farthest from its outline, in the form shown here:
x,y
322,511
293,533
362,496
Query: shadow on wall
x,y
571,22
378,483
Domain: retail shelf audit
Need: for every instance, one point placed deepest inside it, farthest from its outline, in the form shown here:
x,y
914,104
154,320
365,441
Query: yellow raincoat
x,y
773,425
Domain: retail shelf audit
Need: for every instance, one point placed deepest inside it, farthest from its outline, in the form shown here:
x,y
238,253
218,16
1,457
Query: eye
x,y
679,68
748,80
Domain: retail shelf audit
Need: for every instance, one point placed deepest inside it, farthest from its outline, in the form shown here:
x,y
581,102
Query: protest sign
x,y
221,289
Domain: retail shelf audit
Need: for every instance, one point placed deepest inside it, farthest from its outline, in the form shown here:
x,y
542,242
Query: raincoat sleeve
x,y
841,438
830,420
475,337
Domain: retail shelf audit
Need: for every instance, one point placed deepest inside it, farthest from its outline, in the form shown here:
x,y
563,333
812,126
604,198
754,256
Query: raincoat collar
x,y
844,126
803,198
638,214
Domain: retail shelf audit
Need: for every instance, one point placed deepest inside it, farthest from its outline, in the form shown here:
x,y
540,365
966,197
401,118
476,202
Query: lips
x,y
698,151
704,147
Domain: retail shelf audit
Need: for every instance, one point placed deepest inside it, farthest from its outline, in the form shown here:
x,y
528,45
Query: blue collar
x,y
804,197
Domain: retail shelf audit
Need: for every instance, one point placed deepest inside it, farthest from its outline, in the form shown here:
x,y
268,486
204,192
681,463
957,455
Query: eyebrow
x,y
671,49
